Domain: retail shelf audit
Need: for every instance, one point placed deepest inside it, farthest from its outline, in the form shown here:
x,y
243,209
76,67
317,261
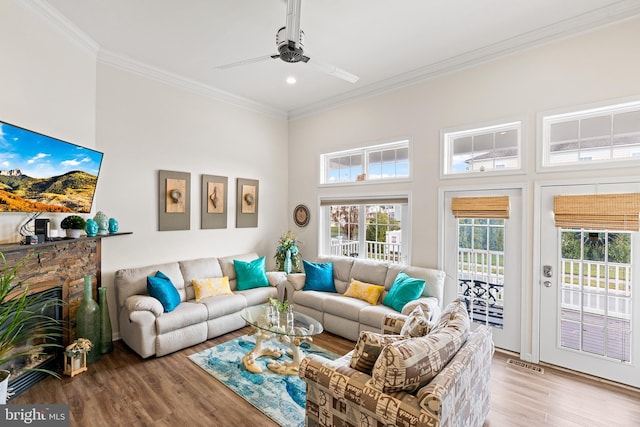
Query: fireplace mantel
x,y
62,262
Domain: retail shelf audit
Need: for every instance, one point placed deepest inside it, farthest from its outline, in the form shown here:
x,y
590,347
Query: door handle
x,y
547,271
547,284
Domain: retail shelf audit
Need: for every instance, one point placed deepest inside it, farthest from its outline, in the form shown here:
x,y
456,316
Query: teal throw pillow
x,y
404,289
319,276
161,288
251,274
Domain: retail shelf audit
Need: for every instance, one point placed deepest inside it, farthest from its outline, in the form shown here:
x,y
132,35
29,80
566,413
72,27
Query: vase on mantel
x,y
88,320
287,262
106,335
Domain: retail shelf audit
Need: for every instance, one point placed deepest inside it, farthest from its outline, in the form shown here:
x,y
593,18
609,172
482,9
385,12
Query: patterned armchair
x,y
457,395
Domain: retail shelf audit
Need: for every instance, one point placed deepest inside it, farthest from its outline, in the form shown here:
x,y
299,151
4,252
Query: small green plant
x,y
282,307
73,222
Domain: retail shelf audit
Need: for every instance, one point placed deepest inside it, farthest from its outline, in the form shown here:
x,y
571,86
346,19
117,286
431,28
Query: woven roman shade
x,y
480,207
598,211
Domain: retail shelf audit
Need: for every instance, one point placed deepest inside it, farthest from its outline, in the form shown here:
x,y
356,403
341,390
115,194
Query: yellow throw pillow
x,y
211,287
364,291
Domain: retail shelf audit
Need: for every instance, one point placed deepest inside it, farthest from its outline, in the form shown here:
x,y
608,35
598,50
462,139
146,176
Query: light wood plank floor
x,y
124,390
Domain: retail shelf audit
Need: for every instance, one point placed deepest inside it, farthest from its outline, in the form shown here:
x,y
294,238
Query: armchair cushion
x,y
368,348
160,287
416,324
409,364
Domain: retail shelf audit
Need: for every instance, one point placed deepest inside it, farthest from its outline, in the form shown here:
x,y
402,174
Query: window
x,y
482,149
375,163
372,229
598,135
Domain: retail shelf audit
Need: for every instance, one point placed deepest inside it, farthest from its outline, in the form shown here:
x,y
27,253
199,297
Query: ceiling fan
x,y
290,42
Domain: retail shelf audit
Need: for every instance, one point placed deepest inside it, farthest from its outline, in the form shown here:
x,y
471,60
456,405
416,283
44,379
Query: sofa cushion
x,y
416,324
319,276
454,315
311,299
434,279
212,286
373,315
364,291
251,274
228,269
223,305
410,364
257,296
369,271
197,269
404,289
341,270
343,307
160,287
186,314
368,348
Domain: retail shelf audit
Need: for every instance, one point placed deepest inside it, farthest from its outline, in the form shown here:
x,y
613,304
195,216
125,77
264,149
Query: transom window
x,y
599,135
482,149
374,163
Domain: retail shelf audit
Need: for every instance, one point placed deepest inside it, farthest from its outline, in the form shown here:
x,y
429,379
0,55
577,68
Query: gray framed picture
x,y
214,202
174,200
247,202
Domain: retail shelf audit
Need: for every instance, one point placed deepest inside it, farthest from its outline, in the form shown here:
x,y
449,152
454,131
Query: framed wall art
x,y
174,200
214,202
247,203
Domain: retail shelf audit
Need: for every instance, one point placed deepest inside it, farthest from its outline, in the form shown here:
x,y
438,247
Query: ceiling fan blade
x,y
293,21
246,61
334,71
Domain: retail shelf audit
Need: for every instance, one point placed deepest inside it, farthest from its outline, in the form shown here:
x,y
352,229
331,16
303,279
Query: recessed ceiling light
x,y
291,80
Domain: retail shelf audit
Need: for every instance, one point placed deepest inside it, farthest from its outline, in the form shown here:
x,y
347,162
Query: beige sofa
x,y
347,316
149,331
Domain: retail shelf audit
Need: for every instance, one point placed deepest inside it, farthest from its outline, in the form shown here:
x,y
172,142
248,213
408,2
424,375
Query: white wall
x,y
51,84
47,84
590,68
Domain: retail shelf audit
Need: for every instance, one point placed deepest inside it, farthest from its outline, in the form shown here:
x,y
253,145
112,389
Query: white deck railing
x,y
381,251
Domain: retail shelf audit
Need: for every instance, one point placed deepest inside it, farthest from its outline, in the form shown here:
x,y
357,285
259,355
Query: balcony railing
x,y
381,251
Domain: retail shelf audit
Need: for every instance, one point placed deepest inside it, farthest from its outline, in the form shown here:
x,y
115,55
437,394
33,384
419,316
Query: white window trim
x,y
365,149
473,129
580,111
347,199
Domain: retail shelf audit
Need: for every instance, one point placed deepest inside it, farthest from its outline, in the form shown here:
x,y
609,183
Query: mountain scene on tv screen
x,y
43,174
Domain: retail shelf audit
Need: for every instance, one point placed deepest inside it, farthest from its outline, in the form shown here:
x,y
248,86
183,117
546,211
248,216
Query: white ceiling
x,y
386,43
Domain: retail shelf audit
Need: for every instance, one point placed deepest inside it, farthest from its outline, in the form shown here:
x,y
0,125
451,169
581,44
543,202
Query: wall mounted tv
x,y
43,174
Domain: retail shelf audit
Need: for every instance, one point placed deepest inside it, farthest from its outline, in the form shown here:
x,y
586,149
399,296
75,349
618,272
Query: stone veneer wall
x,y
61,263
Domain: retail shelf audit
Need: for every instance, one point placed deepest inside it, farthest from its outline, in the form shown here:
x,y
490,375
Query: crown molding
x,y
58,21
592,21
145,70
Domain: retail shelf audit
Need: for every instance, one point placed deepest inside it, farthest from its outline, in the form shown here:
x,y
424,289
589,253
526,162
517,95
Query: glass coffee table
x,y
267,326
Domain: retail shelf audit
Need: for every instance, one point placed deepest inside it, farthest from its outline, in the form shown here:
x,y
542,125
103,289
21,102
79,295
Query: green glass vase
x,y
88,321
106,335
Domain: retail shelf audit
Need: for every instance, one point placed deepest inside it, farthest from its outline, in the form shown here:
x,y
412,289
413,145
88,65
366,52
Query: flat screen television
x,y
39,173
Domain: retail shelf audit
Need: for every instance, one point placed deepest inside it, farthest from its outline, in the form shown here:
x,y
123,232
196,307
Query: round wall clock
x,y
301,215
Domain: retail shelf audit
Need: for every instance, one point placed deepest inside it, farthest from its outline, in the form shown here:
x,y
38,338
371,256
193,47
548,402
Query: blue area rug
x,y
280,397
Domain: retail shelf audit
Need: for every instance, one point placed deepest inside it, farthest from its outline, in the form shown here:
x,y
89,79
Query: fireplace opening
x,y
42,356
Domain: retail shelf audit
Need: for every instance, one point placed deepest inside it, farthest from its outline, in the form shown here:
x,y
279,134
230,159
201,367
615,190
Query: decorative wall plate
x,y
301,215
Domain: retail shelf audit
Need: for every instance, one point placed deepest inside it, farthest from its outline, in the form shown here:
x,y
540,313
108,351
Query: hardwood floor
x,y
124,390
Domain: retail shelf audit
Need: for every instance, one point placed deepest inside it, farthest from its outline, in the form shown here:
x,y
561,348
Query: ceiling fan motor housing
x,y
288,50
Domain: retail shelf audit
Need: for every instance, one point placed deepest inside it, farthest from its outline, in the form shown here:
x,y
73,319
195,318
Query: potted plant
x,y
22,322
287,254
74,224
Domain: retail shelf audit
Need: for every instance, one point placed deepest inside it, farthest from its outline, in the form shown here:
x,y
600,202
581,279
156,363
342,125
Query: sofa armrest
x,y
276,277
462,387
144,303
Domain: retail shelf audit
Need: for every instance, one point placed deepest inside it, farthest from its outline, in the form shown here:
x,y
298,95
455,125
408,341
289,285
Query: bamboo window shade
x,y
480,207
598,211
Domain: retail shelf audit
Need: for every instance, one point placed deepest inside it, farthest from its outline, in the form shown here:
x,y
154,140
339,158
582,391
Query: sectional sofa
x,y
149,331
347,317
